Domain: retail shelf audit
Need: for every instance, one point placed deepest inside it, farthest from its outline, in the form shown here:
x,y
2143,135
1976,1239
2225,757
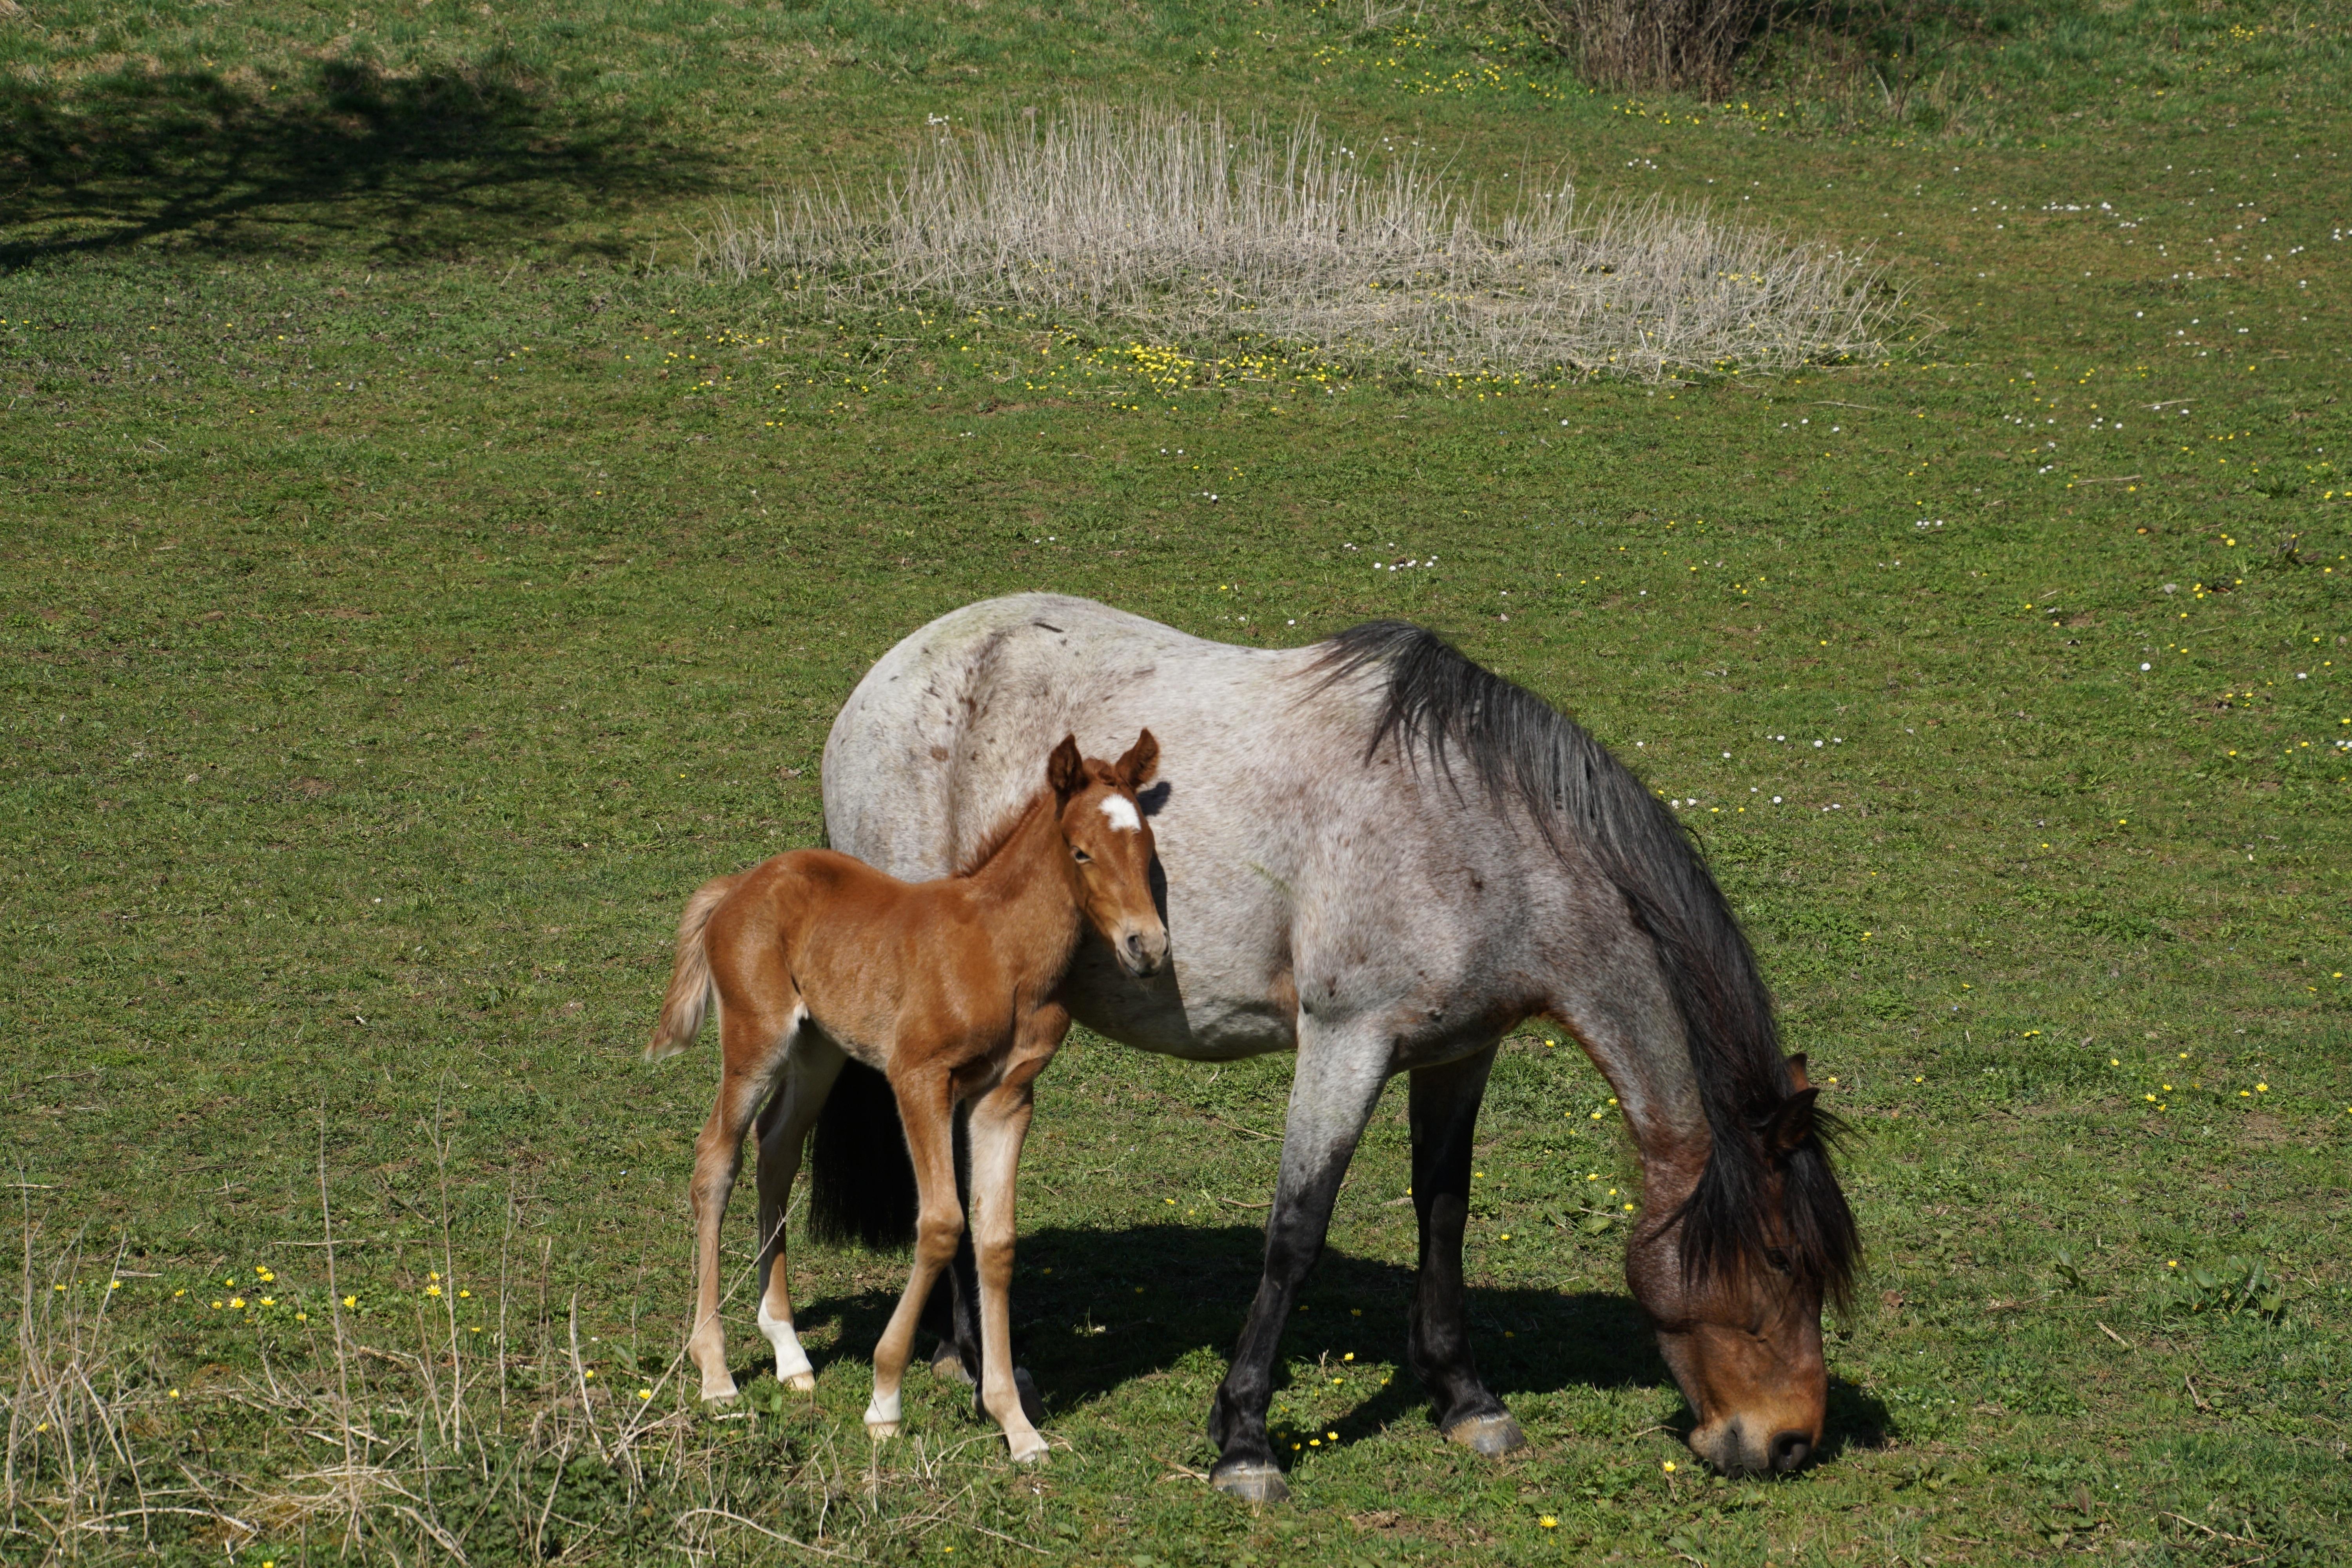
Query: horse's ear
x,y
1065,770
1792,1123
1142,759
1797,1072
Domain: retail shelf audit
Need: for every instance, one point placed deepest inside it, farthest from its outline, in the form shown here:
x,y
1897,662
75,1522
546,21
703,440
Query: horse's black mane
x,y
1440,704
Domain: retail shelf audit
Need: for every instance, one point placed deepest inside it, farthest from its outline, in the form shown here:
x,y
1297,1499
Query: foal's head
x,y
1110,847
1742,1333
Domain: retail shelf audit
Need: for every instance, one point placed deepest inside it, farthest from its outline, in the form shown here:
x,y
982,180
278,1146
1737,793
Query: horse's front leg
x,y
997,1124
812,1062
925,1111
1332,1091
1445,1114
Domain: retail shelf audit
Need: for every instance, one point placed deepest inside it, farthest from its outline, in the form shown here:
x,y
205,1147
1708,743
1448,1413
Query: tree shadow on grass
x,y
391,165
1123,1305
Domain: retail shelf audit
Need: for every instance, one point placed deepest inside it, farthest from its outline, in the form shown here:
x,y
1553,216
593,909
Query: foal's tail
x,y
691,994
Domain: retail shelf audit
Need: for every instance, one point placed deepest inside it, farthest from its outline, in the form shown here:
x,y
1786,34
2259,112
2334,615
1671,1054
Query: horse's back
x,y
1261,778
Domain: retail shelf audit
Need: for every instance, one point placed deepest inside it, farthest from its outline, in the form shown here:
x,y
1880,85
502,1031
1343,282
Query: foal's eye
x,y
1082,857
1776,1258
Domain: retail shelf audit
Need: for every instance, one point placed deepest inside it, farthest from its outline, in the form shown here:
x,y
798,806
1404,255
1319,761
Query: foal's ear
x,y
1797,1072
1792,1123
1065,770
1142,759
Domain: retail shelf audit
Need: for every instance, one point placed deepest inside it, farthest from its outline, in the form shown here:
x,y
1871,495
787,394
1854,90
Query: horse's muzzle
x,y
1142,953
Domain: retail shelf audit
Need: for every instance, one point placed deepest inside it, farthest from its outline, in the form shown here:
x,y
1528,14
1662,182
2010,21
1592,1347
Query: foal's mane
x,y
996,837
1519,747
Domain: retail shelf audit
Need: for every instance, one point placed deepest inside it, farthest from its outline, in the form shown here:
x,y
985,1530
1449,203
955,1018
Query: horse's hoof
x,y
947,1362
1028,1449
714,1392
1251,1480
1493,1436
802,1383
879,1430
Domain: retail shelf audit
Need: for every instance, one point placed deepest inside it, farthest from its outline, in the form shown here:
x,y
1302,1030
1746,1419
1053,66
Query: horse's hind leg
x,y
1445,1115
812,1062
923,1111
753,1035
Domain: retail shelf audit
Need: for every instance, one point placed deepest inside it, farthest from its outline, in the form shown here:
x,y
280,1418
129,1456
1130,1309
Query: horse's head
x,y
1740,1325
1110,847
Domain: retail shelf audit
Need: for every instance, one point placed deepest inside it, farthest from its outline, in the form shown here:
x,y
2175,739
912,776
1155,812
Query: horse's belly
x,y
1207,1027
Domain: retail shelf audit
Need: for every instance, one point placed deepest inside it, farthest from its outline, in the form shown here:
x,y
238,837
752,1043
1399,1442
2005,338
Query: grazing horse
x,y
1383,858
950,989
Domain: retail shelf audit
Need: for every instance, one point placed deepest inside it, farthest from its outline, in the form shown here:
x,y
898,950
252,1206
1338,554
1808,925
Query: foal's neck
x,y
1034,895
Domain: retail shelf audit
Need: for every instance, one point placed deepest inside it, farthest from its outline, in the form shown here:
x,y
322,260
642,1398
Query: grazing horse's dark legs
x,y
1337,1082
1444,1113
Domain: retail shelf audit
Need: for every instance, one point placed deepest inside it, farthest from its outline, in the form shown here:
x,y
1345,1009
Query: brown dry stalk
x,y
1183,230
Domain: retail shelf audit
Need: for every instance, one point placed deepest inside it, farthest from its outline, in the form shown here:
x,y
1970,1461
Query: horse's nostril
x,y
1790,1450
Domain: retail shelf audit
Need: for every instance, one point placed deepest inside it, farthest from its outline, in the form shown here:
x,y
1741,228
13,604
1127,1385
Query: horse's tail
x,y
691,994
1441,705
861,1180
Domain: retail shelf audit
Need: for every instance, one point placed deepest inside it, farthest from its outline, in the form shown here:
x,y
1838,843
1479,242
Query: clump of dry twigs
x,y
1186,228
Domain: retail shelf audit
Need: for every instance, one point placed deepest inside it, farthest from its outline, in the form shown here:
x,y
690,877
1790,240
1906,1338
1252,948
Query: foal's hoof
x,y
1493,1436
880,1430
802,1383
1251,1480
1029,1448
714,1390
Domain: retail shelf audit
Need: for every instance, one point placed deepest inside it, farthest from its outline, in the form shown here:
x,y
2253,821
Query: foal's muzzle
x,y
1142,953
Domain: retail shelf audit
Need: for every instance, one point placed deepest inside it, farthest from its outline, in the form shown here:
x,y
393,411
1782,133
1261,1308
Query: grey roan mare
x,y
1383,857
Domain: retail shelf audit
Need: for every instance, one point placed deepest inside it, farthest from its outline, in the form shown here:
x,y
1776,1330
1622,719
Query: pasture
x,y
417,578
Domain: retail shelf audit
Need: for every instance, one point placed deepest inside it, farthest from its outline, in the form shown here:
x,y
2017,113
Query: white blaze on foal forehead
x,y
1121,813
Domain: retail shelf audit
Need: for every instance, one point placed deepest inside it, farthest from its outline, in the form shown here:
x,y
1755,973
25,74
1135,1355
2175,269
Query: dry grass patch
x,y
1188,230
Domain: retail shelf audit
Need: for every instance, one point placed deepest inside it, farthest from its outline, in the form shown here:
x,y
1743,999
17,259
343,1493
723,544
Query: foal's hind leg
x,y
753,1035
1444,1113
923,1110
810,1064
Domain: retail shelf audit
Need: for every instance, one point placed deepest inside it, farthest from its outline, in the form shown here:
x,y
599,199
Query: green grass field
x,y
417,579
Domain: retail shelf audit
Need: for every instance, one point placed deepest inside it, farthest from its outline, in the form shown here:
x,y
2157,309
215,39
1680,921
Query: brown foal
x,y
952,990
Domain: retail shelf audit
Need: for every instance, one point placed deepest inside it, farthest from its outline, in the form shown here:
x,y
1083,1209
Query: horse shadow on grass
x,y
1097,1309
405,164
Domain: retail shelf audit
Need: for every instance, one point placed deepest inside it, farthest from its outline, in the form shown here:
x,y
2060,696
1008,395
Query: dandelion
x,y
1668,1467
235,1302
351,1300
433,1290
644,1394
1549,1523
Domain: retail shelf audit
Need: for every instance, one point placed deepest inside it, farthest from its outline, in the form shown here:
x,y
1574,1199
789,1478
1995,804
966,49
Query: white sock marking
x,y
1120,812
879,1409
791,1359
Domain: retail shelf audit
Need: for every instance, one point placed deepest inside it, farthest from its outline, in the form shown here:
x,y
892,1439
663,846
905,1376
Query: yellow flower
x,y
433,1290
351,1300
644,1394
1670,1467
1549,1523
234,1302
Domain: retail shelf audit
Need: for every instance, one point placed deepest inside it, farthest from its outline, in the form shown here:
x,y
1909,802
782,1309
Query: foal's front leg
x,y
998,1127
925,1111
